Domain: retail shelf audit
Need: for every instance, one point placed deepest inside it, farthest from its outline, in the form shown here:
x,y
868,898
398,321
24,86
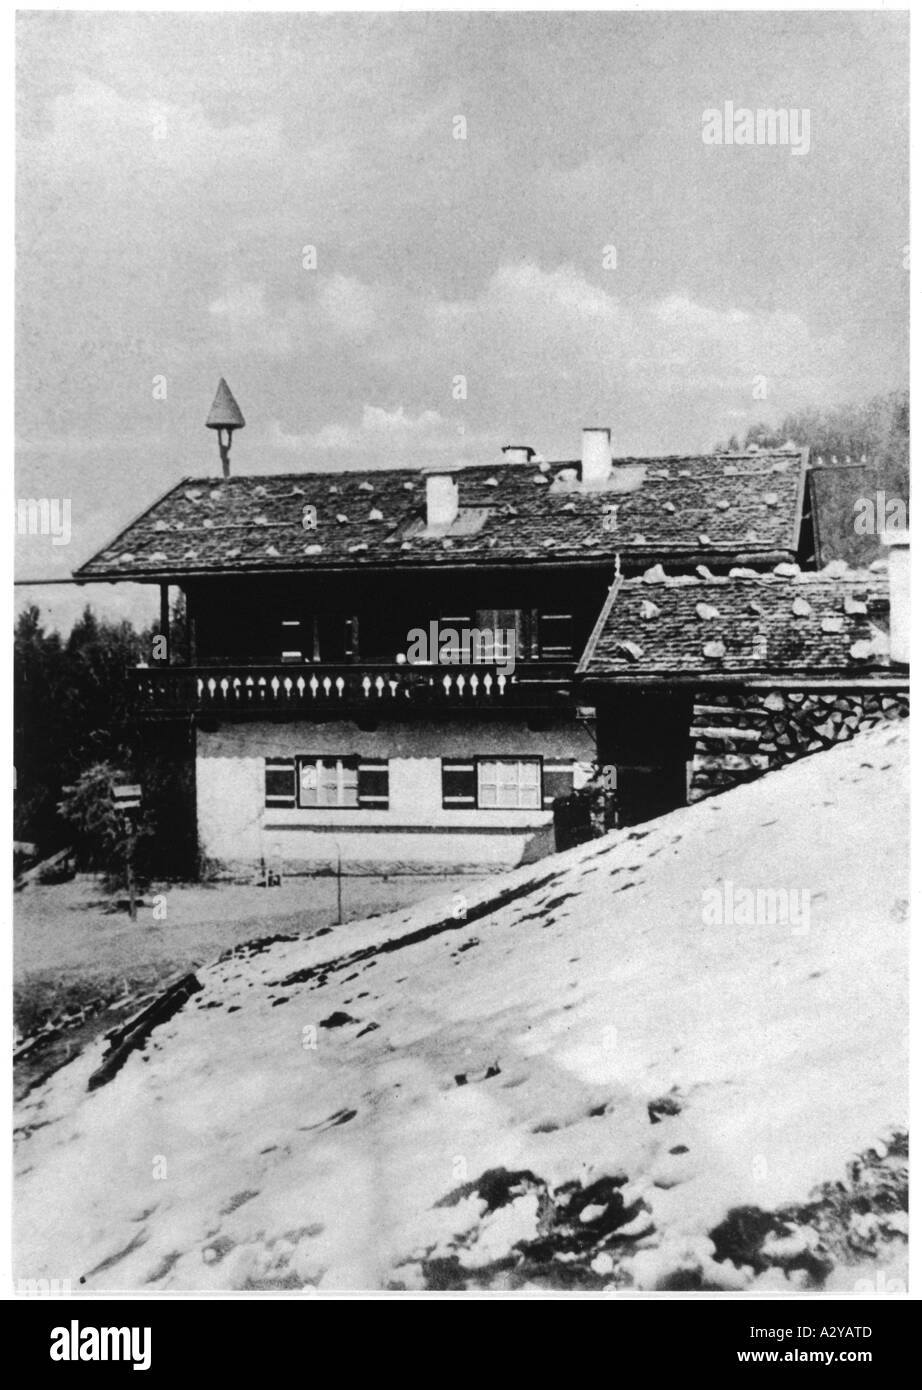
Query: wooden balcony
x,y
357,691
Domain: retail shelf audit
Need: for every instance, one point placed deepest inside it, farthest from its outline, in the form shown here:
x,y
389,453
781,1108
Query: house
x,y
302,723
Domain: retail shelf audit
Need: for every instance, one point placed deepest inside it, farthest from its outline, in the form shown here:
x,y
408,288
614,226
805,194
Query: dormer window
x,y
468,521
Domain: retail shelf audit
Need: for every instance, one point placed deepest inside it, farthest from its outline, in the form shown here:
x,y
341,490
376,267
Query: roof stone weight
x,y
665,517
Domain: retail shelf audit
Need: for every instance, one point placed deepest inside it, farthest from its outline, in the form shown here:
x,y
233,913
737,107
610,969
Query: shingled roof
x,y
532,513
745,626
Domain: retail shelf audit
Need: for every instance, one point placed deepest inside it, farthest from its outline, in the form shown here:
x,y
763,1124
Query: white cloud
x,y
348,306
535,324
396,429
243,317
244,304
93,125
665,372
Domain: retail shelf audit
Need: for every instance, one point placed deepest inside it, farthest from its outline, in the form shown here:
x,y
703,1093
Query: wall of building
x,y
738,736
237,830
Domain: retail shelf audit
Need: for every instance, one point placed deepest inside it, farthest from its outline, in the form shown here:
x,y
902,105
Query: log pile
x,y
738,736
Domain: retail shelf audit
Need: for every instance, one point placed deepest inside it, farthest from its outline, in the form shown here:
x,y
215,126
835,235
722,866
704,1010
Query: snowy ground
x,y
595,1085
80,967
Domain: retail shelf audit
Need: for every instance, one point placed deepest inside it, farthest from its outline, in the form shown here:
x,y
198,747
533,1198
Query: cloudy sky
x,y
172,169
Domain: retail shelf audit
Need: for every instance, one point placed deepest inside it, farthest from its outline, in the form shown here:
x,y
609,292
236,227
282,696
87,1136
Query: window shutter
x,y
374,784
280,781
558,781
555,635
459,784
456,622
291,640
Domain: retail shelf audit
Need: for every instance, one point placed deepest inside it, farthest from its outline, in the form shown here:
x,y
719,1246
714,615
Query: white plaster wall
x,y
236,828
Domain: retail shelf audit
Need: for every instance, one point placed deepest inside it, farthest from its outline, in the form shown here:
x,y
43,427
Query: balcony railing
x,y
349,689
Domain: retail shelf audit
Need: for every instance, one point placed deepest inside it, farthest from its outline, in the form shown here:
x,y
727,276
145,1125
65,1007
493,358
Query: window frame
x,y
372,782
534,759
324,763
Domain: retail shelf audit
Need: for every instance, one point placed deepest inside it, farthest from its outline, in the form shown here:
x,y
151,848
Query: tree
x,y
72,710
874,435
876,430
98,830
39,734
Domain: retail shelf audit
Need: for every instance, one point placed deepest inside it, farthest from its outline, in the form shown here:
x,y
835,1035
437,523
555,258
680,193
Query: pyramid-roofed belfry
x,y
225,413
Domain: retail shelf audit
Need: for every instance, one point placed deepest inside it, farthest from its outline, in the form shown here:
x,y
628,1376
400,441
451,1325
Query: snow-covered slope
x,y
596,1084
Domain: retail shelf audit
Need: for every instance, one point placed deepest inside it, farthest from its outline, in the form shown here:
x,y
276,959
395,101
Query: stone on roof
x,y
803,625
669,511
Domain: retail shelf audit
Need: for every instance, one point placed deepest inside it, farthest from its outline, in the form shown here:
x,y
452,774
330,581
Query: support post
x,y
165,620
129,856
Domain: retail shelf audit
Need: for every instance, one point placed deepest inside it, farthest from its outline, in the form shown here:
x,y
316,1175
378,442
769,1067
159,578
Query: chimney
x,y
596,457
898,543
518,453
441,499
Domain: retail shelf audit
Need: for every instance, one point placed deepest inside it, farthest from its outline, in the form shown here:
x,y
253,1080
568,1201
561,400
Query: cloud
x,y
91,124
348,306
394,429
336,304
244,304
542,351
244,321
559,323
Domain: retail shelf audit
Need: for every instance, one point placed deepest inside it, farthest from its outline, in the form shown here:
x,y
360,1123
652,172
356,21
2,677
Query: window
x,y
316,637
313,782
453,622
505,625
328,782
494,784
509,783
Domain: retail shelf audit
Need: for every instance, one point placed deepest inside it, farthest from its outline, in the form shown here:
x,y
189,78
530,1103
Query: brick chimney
x,y
898,544
596,457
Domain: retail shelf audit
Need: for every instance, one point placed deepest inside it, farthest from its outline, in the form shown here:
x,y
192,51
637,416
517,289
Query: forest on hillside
x,y
856,452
